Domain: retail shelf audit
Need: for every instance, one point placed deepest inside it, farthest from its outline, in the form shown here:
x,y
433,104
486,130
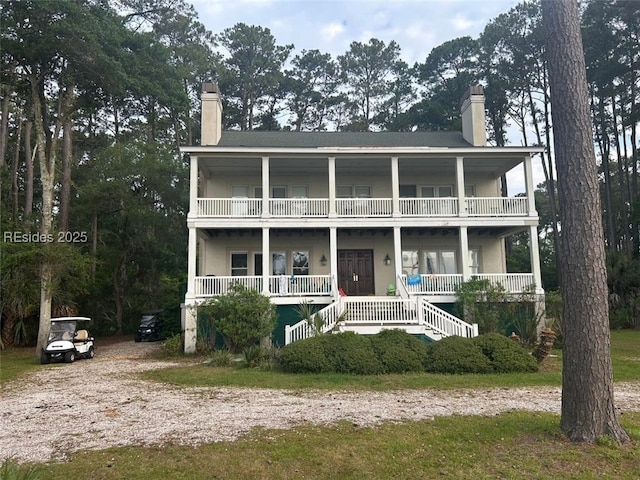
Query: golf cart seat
x,y
82,336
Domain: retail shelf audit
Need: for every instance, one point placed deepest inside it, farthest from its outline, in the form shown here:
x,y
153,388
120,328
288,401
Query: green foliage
x,y
306,356
309,313
220,358
351,353
242,317
10,470
173,346
482,302
505,355
254,355
456,355
399,352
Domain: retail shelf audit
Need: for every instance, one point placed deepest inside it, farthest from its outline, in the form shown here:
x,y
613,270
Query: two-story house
x,y
383,225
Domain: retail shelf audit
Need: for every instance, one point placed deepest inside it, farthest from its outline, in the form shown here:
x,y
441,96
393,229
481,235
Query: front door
x,y
355,272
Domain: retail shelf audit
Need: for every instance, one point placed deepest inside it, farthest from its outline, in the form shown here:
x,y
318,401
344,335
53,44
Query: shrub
x,y
172,346
349,352
242,317
456,355
505,356
399,352
220,358
305,356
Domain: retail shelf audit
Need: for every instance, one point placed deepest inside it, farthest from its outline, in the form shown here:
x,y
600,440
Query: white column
x,y
266,193
528,178
193,186
395,186
464,254
190,327
462,207
333,254
332,187
534,254
192,256
397,252
266,260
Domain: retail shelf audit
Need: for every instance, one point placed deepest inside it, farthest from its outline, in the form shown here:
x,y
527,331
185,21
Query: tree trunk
x,y
28,161
67,160
588,411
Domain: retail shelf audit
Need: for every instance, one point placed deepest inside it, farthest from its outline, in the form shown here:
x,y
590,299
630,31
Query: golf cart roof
x,y
70,319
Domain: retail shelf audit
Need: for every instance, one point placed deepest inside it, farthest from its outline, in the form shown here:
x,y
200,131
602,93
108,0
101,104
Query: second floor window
x,y
239,264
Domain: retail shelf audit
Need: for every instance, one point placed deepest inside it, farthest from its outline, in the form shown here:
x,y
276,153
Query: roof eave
x,y
267,151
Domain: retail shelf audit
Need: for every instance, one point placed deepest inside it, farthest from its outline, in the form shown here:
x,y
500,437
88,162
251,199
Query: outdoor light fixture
x,y
323,260
387,260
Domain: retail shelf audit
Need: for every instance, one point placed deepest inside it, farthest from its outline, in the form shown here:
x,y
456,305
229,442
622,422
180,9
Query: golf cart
x,y
150,326
66,342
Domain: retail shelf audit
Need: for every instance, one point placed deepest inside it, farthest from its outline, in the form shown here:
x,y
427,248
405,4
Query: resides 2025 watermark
x,y
37,237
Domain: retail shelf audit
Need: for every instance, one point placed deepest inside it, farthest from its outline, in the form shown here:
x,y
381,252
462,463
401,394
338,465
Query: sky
x,y
331,25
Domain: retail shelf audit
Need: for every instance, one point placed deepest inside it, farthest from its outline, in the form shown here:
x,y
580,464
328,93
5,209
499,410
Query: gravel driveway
x,y
99,403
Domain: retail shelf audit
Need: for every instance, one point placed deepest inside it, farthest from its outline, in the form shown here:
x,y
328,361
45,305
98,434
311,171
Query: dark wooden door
x,y
355,272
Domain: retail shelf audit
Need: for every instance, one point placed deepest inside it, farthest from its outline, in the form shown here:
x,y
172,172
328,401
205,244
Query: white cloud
x,y
332,30
461,23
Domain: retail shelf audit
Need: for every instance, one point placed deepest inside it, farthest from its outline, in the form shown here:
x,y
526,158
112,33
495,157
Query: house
x,y
381,225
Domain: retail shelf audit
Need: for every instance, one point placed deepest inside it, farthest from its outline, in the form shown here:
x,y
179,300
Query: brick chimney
x,y
211,119
474,128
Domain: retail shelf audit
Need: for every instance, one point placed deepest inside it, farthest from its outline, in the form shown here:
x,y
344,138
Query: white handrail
x,y
444,323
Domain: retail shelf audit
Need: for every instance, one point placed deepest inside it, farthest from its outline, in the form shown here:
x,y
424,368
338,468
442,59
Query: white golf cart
x,y
66,342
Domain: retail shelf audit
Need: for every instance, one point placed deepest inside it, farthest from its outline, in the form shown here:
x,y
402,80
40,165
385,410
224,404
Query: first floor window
x,y
474,261
279,263
239,264
410,262
440,262
300,261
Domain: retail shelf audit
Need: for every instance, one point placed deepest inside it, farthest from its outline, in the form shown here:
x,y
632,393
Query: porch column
x,y
265,188
528,179
464,254
333,255
395,186
192,256
534,254
266,260
462,207
397,252
189,317
190,326
193,186
332,188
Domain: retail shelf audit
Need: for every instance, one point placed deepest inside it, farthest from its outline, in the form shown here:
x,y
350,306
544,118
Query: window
x,y
257,264
278,192
436,191
300,262
440,262
474,261
351,191
239,191
279,263
408,191
299,191
239,267
257,192
410,262
469,191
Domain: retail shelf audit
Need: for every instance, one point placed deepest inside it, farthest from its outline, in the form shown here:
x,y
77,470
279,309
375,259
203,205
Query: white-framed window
x,y
299,191
353,191
257,192
474,261
440,262
436,191
239,264
300,262
410,262
240,191
278,263
257,263
469,190
278,192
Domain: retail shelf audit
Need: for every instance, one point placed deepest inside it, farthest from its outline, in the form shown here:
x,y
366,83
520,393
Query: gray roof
x,y
231,138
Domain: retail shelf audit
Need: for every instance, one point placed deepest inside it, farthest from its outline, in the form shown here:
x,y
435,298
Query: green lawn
x,y
517,445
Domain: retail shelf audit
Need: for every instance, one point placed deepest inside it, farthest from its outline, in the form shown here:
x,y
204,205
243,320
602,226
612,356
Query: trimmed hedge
x,y
395,351
505,356
399,351
456,355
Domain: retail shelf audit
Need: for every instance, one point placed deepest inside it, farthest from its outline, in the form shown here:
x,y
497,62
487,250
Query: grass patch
x,y
16,362
515,445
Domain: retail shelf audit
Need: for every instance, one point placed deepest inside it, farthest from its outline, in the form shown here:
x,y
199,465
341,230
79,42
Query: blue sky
x,y
331,25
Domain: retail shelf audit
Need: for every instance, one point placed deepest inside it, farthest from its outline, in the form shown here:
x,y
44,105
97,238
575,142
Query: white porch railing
x,y
447,284
512,282
497,206
444,323
391,312
429,207
362,207
283,285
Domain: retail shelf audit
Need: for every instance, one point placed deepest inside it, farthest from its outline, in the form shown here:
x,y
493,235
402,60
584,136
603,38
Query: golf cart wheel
x,y
69,357
45,358
91,353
